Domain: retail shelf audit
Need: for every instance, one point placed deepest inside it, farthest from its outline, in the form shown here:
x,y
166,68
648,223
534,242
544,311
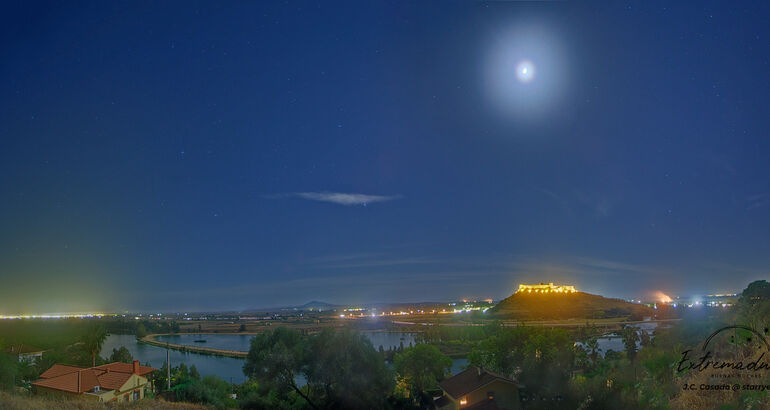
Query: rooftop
x,y
22,349
470,380
126,368
76,379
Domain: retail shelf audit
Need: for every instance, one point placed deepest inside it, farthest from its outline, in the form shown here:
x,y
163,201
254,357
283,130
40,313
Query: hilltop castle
x,y
547,288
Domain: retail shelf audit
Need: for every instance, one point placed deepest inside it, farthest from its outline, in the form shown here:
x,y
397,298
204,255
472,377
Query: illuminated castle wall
x,y
547,288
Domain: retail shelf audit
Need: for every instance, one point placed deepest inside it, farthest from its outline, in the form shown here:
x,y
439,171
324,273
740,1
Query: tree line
x,y
554,368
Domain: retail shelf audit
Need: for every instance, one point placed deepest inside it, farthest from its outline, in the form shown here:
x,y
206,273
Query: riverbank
x,y
150,340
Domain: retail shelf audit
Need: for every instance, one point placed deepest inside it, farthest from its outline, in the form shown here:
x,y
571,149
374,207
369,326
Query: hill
x,y
316,305
577,305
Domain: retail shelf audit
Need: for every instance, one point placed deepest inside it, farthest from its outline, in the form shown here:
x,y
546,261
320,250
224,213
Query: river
x,y
614,342
241,342
228,368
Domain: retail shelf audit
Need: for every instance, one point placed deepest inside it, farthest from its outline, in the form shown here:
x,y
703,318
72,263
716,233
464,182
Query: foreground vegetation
x,y
10,401
555,367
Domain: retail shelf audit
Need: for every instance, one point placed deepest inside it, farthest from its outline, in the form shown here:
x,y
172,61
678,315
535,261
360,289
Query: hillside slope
x,y
578,305
24,402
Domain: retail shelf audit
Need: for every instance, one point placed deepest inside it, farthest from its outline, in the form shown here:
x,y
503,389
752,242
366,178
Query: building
x,y
478,389
547,288
25,352
114,382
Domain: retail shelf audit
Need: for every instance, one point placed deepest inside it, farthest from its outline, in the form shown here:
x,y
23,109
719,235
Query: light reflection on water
x,y
614,342
229,368
225,367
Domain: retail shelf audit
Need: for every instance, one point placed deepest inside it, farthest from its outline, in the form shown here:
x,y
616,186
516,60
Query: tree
x,y
756,292
182,374
592,345
644,338
194,373
27,370
503,352
421,367
159,377
630,336
141,331
252,396
93,340
242,328
540,358
8,371
210,390
122,355
754,305
343,371
341,368
274,359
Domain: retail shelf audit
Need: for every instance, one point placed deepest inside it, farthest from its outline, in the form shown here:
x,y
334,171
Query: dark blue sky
x,y
187,155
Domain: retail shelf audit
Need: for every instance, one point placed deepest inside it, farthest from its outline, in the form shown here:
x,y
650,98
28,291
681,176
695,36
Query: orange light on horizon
x,y
662,297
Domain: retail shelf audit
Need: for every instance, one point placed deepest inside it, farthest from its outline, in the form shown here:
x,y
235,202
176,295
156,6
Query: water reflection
x,y
228,368
614,342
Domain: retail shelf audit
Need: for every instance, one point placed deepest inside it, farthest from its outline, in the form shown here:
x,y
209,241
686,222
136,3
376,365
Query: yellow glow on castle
x,y
547,288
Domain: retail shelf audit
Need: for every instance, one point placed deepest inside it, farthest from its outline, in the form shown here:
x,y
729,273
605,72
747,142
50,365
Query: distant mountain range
x,y
316,305
578,305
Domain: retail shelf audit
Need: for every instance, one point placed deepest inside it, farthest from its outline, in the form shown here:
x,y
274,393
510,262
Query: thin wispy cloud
x,y
758,201
584,267
340,198
370,260
550,194
601,204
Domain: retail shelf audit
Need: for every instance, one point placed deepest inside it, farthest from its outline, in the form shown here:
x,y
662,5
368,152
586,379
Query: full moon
x,y
525,71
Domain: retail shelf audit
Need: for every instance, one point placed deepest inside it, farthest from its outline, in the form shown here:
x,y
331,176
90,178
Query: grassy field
x,y
24,402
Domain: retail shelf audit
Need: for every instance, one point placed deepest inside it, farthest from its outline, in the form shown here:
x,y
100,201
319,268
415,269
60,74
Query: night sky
x,y
187,155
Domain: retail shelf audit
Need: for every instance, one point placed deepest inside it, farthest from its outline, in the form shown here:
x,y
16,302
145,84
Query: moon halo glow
x,y
525,71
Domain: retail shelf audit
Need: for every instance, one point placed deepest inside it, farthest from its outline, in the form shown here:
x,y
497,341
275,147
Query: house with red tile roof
x,y
25,352
105,383
478,389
